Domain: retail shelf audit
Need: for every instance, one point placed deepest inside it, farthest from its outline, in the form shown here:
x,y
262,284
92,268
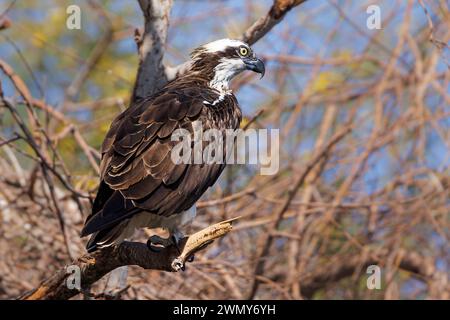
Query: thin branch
x,y
264,24
151,73
255,32
279,214
333,272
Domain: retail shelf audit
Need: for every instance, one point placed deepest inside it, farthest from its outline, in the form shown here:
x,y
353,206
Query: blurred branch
x,y
440,44
255,32
23,90
5,23
264,24
18,83
44,164
333,272
95,265
9,7
268,238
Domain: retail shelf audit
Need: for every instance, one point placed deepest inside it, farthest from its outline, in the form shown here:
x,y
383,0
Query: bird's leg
x,y
176,236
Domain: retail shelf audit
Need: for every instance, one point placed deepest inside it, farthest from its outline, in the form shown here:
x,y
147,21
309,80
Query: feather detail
x,y
138,174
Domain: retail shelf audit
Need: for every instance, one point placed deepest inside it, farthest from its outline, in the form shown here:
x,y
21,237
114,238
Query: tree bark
x,y
151,74
334,272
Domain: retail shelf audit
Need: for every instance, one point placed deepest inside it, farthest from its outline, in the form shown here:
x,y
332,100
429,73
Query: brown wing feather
x,y
137,170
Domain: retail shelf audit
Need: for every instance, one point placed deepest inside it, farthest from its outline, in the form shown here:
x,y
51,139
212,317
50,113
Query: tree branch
x,y
95,265
151,74
334,272
269,238
264,24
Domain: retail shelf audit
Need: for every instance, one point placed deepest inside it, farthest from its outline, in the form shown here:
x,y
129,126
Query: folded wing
x,y
137,170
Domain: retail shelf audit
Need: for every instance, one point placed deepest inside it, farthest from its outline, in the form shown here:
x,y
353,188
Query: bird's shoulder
x,y
147,116
161,113
139,139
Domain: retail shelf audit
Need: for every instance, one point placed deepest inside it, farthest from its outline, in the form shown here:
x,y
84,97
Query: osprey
x,y
141,186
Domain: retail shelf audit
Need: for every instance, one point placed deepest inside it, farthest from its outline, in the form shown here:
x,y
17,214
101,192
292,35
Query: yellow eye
x,y
243,51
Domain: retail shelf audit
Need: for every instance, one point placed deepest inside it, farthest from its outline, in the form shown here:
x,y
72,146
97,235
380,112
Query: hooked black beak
x,y
256,65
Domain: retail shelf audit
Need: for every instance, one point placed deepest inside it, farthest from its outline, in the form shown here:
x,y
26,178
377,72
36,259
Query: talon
x,y
157,244
190,258
154,248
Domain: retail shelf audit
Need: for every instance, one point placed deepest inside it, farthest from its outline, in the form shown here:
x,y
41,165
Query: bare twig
x,y
292,192
151,74
264,24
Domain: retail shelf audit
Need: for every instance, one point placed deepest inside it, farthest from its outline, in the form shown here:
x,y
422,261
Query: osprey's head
x,y
219,61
